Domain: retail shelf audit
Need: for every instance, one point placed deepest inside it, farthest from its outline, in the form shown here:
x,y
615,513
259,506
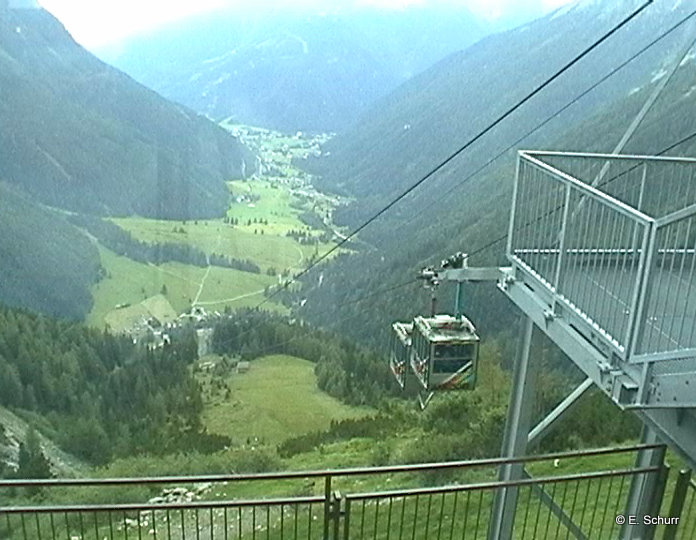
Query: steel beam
x,y
543,428
678,499
472,274
556,510
522,397
676,427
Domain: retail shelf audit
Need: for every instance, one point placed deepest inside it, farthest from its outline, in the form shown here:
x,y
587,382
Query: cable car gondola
x,y
441,350
444,352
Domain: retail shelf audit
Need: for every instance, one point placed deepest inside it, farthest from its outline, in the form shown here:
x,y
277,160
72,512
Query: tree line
x,y
122,242
98,395
344,369
456,425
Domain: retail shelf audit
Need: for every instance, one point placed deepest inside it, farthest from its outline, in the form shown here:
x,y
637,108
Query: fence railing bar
x,y
617,157
389,517
604,520
454,516
357,471
548,517
678,500
171,506
501,484
603,198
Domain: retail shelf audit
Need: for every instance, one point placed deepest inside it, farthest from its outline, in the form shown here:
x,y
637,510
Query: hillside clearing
x,y
129,283
276,399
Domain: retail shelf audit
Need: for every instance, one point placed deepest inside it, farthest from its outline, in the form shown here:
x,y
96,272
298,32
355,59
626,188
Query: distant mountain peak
x,y
293,70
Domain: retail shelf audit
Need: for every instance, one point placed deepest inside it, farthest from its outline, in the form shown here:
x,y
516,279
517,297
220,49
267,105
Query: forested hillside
x,y
97,395
78,134
431,116
46,264
133,408
457,424
344,369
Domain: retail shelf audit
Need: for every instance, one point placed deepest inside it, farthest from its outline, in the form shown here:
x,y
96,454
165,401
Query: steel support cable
x,y
617,176
591,88
463,148
373,294
556,114
584,93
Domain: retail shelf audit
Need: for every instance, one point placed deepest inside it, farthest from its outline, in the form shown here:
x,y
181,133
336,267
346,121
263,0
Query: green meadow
x,y
255,229
276,399
268,250
127,289
260,234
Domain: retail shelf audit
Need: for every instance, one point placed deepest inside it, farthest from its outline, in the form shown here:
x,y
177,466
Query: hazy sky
x,y
94,23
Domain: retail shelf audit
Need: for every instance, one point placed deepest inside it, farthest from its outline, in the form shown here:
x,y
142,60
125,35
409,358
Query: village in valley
x,y
277,221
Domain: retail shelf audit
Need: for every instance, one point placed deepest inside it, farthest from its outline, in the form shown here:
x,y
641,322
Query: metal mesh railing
x,y
586,248
613,240
669,319
281,518
577,506
582,502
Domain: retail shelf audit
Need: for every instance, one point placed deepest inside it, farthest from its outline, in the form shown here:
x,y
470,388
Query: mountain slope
x,y
46,264
428,118
291,71
77,134
15,430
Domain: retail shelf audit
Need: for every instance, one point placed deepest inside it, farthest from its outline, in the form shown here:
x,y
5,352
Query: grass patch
x,y
132,284
276,399
269,250
274,204
125,317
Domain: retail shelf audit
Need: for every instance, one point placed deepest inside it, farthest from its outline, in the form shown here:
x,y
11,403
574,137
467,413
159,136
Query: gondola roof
x,y
446,329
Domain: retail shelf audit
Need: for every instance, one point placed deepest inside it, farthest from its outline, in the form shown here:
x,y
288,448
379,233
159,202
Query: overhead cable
x,y
466,145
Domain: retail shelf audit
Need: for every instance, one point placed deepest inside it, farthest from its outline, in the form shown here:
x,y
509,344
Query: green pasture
x,y
276,399
274,204
268,250
129,284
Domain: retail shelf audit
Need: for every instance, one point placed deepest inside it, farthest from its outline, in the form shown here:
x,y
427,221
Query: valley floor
x,y
276,224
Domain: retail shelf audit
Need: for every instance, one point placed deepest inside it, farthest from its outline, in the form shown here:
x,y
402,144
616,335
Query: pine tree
x,y
32,462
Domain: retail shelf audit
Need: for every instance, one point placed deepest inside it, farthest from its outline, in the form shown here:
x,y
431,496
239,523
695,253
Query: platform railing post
x,y
517,428
677,506
642,286
328,505
646,491
346,520
511,226
458,301
337,514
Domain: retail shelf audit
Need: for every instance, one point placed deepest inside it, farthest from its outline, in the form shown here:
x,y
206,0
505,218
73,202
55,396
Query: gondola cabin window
x,y
452,358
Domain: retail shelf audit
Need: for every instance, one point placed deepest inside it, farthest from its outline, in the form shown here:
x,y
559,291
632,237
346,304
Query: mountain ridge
x,y
377,163
291,71
79,136
49,84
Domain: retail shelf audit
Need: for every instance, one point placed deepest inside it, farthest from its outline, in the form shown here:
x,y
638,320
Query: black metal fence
x,y
572,496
